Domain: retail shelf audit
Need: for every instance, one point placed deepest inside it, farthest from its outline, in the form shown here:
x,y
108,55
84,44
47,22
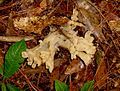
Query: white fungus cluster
x,y
77,46
45,51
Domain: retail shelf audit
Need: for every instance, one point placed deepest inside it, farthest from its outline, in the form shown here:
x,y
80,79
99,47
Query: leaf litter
x,y
69,20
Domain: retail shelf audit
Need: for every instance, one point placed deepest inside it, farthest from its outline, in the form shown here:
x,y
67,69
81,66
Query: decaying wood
x,y
39,24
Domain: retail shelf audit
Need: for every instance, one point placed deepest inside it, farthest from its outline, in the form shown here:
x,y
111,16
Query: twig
x,y
38,79
15,38
27,80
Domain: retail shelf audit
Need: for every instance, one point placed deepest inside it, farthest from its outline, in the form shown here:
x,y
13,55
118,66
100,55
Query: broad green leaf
x,y
3,87
88,86
60,86
12,88
14,52
13,58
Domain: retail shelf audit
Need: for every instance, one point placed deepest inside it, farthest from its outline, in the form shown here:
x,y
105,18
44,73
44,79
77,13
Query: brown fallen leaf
x,y
101,74
74,67
89,18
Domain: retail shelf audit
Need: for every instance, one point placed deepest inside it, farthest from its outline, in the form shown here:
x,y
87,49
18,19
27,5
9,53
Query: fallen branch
x,y
15,38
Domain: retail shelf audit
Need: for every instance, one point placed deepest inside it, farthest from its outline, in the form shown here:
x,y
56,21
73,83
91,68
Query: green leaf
x,y
12,88
15,51
1,70
60,86
13,58
88,86
3,87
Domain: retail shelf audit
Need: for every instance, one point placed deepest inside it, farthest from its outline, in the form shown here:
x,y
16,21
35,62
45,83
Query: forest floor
x,y
37,20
